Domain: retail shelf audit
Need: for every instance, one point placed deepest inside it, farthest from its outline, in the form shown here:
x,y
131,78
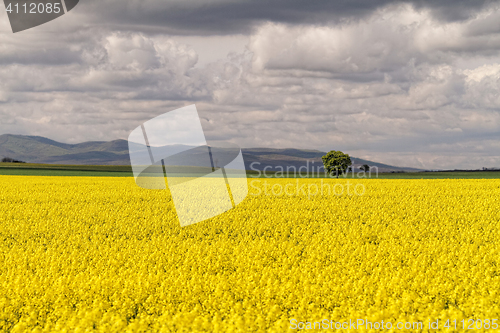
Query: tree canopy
x,y
336,162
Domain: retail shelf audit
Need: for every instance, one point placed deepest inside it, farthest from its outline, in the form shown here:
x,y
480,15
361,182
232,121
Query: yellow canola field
x,y
82,254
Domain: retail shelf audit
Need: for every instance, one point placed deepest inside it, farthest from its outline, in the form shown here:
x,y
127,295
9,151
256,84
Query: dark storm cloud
x,y
232,17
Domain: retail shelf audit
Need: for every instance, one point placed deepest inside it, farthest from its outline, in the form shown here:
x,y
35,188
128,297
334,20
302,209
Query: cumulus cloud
x,y
395,82
116,78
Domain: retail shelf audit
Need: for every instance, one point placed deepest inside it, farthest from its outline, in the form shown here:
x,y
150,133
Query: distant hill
x,y
37,149
298,158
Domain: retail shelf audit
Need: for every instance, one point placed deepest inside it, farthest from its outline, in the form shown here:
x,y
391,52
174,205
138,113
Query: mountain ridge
x,y
38,149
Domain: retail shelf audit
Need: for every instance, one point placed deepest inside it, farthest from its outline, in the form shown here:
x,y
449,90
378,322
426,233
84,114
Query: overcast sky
x,y
405,83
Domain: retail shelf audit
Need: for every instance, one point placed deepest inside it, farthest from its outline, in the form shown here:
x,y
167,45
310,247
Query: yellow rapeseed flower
x,y
82,254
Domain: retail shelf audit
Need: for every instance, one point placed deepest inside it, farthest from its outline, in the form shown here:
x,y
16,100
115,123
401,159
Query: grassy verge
x,y
401,175
16,169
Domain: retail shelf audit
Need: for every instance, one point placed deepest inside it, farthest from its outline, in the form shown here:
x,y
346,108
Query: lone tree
x,y
365,168
336,161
